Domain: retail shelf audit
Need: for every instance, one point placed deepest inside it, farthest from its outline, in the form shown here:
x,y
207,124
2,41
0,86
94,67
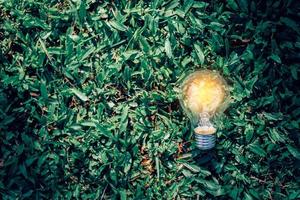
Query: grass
x,y
89,107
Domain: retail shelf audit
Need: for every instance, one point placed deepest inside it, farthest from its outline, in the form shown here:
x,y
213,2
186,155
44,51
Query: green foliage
x,y
89,109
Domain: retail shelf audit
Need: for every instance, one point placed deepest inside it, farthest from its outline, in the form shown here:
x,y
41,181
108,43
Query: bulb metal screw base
x,y
205,142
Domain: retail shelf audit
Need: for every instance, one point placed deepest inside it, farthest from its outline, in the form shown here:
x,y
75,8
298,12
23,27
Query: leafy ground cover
x,y
89,106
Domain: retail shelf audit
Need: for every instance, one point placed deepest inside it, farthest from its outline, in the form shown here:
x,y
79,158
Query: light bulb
x,y
203,95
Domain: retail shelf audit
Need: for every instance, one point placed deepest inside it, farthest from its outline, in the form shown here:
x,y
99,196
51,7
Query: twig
x,y
260,180
103,193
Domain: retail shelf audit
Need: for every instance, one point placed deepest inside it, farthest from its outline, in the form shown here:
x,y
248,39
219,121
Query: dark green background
x,y
89,107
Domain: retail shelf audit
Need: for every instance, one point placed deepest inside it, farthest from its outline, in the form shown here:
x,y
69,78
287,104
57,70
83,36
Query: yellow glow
x,y
204,91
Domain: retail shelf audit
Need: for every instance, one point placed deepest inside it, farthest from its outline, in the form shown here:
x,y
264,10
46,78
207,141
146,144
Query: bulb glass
x,y
204,94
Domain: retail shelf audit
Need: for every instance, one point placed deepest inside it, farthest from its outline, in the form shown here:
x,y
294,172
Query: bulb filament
x,y
204,120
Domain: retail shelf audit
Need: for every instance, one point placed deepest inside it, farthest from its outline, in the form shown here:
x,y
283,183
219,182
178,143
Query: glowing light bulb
x,y
204,94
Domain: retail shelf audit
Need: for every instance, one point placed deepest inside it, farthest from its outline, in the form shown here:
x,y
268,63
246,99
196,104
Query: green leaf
x,y
43,90
258,150
80,95
88,124
144,44
294,151
275,58
232,4
86,54
168,48
243,5
290,23
130,54
124,119
275,135
192,167
104,131
199,53
187,5
23,170
157,167
123,195
27,194
247,196
294,71
249,131
82,11
118,26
